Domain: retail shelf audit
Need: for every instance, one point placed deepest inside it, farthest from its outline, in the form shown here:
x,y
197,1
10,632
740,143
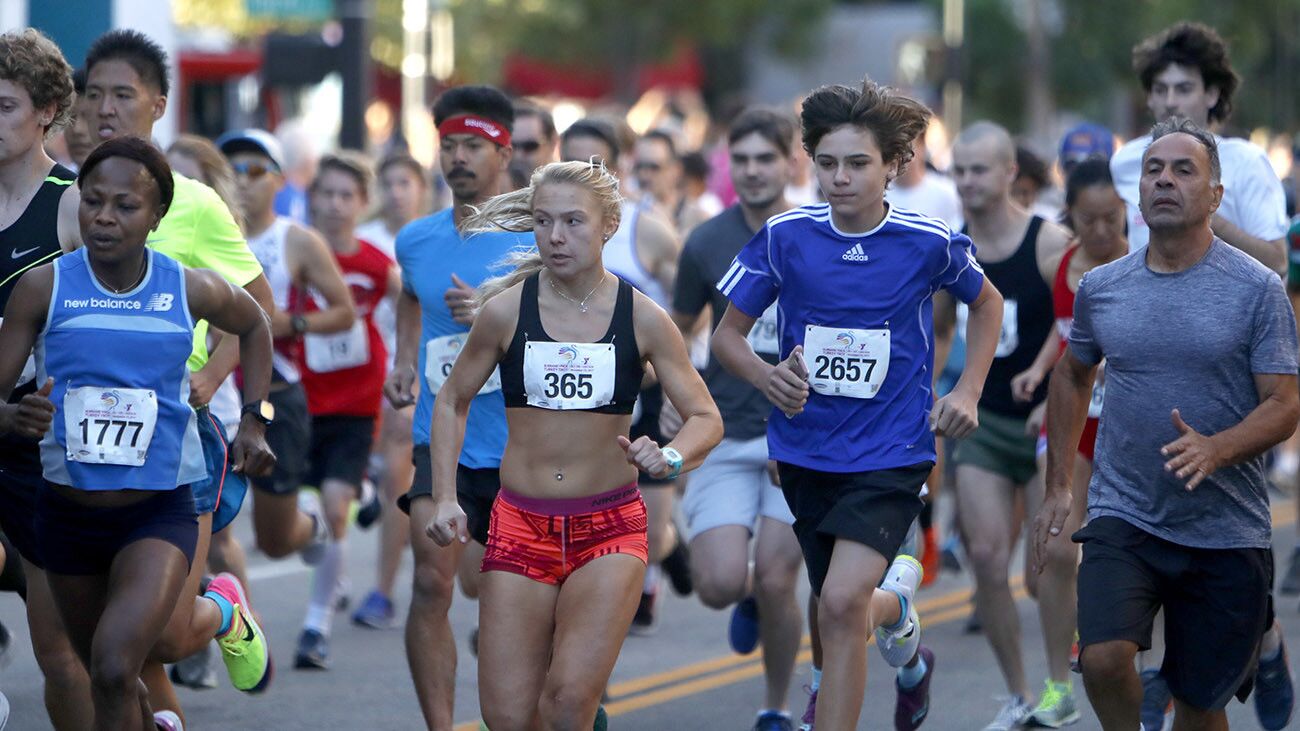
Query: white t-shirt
x,y
1252,195
935,196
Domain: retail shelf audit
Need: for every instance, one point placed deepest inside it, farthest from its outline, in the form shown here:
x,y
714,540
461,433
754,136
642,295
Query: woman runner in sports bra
x,y
567,544
112,326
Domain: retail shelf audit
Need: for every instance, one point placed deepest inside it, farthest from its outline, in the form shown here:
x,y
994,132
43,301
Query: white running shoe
x,y
309,504
1013,714
899,646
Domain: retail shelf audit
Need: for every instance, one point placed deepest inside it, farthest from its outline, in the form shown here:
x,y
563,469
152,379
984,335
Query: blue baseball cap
x,y
1085,140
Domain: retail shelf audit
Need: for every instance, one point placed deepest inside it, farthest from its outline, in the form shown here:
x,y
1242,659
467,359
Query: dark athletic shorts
x,y
651,402
873,508
18,489
1216,601
78,540
289,437
340,449
476,490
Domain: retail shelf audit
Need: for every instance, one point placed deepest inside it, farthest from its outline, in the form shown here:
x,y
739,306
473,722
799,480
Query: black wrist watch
x,y
263,411
298,324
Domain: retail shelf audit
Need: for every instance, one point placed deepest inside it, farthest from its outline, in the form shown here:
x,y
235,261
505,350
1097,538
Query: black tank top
x,y
27,243
569,385
1024,330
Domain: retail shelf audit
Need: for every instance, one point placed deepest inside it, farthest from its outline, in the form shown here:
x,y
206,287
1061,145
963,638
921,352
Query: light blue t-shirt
x,y
429,251
869,295
1193,341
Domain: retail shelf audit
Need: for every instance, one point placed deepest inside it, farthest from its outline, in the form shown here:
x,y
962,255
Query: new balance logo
x,y
160,302
855,254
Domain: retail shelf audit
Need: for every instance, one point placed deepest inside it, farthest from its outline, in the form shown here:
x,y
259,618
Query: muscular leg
x,y
776,575
986,505
1190,718
1112,682
124,614
67,685
227,555
280,527
194,622
430,646
394,526
517,619
468,569
1058,607
588,637
720,565
849,608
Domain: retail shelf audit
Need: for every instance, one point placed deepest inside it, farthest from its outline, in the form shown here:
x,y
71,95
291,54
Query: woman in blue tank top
x,y
566,548
112,326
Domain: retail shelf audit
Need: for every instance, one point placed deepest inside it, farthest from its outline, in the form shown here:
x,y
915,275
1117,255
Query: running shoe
x,y
4,711
950,556
309,504
243,647
602,720
809,717
376,612
370,505
1291,581
1013,713
195,671
742,633
913,704
646,619
773,721
898,645
973,624
1056,707
1274,692
166,721
1074,655
1156,700
677,565
313,651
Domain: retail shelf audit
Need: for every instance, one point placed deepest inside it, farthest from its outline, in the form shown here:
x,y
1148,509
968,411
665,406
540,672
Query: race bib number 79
x,y
109,425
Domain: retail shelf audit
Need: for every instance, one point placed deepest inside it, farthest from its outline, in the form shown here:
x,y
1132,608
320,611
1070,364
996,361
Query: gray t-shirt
x,y
708,253
1192,341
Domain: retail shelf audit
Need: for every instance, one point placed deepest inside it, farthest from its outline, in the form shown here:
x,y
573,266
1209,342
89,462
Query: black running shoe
x,y
313,651
678,567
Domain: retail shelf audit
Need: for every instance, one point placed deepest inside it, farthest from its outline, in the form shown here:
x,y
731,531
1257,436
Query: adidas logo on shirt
x,y
855,254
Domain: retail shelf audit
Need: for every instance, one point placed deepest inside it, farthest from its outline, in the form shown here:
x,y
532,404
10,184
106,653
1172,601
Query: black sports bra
x,y
603,377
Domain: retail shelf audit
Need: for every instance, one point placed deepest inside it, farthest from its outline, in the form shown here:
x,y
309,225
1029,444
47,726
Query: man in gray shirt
x,y
1200,345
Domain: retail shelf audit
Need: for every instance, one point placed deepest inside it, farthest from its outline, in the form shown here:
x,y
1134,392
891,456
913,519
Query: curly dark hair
x,y
31,60
1195,45
892,118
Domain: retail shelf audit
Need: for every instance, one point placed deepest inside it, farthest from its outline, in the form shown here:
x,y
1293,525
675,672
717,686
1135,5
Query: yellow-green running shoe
x,y
1056,707
243,646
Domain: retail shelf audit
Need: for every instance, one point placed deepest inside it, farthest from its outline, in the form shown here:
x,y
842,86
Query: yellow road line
x,y
706,675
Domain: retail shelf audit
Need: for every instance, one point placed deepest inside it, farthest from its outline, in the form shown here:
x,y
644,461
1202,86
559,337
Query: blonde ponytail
x,y
514,212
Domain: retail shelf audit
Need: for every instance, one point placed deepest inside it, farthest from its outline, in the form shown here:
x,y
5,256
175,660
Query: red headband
x,y
469,124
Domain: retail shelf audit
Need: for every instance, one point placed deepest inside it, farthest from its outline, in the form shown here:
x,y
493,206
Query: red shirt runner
x,y
343,372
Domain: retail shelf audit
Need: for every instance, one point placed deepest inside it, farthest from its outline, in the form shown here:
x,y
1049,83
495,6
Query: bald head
x,y
992,137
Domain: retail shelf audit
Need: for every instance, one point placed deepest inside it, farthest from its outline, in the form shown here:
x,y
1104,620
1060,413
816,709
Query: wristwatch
x,y
298,324
674,459
263,411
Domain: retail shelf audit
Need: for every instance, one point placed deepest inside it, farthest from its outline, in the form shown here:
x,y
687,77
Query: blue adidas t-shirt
x,y
429,251
864,301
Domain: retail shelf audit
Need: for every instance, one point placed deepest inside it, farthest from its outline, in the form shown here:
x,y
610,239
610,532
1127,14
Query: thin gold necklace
x,y
582,304
144,266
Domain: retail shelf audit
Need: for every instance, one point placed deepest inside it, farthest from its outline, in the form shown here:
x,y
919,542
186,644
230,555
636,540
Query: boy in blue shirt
x,y
853,281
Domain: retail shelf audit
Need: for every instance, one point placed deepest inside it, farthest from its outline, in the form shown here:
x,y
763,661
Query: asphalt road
x,y
683,678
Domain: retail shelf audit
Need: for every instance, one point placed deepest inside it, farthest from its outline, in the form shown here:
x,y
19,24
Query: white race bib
x,y
764,337
1009,337
1098,394
565,376
845,361
109,425
440,355
338,351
